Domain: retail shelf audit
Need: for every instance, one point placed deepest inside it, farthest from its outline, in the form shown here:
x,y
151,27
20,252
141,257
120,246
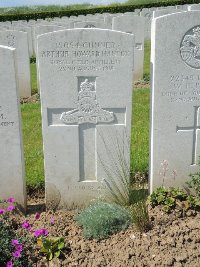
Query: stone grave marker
x,y
194,7
41,29
147,14
12,178
165,11
85,78
134,25
19,40
175,99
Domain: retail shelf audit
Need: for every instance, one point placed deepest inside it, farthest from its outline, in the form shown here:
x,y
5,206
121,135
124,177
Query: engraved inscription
x,y
194,129
89,26
190,47
11,40
3,119
85,56
182,88
88,110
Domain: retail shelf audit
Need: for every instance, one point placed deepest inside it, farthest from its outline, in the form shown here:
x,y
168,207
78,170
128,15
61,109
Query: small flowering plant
x,y
12,249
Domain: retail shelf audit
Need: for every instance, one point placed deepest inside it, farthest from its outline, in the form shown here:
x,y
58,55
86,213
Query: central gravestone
x,y
85,79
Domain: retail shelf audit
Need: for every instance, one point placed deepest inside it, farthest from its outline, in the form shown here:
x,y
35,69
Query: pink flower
x,y
37,216
16,254
52,221
11,200
9,264
19,247
14,242
26,225
10,208
2,211
41,232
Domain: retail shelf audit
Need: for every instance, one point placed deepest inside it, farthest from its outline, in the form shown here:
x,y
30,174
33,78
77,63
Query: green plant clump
x,y
51,247
101,219
194,183
173,198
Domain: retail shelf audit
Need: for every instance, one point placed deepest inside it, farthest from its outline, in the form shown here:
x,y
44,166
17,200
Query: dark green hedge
x,y
107,9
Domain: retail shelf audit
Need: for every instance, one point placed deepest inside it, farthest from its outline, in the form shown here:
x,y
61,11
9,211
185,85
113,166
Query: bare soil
x,y
174,240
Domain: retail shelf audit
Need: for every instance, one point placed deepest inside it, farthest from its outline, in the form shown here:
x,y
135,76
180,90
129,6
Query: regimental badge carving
x,y
11,40
88,110
89,26
190,47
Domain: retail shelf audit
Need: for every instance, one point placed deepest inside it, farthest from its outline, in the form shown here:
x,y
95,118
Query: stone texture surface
x,y
19,40
86,83
175,124
12,183
134,25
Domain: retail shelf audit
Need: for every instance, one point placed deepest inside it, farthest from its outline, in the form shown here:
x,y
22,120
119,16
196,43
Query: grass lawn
x,y
32,132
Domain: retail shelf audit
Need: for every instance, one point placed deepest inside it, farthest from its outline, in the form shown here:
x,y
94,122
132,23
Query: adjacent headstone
x,y
194,7
175,100
134,25
30,39
41,29
148,18
165,11
19,40
12,178
86,83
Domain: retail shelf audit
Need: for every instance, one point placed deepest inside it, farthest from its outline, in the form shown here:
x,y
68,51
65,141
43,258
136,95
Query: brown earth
x,y
173,241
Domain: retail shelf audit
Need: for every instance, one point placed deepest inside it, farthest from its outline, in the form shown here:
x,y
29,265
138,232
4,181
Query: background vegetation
x,y
42,12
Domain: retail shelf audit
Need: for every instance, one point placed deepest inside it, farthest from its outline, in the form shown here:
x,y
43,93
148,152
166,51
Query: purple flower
x,y
19,247
9,264
11,200
41,232
26,225
16,254
10,208
2,211
37,216
14,242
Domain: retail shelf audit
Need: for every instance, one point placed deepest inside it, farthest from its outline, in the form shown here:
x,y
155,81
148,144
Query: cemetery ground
x,y
156,238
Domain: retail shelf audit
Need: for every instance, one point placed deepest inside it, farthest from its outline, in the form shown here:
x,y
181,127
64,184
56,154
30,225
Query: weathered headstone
x,y
194,7
86,83
147,14
175,100
12,181
19,40
134,25
41,29
165,11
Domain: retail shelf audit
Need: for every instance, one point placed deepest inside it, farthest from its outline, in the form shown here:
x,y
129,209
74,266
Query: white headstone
x,y
30,39
12,178
175,102
194,7
86,83
41,29
163,12
19,40
148,18
134,25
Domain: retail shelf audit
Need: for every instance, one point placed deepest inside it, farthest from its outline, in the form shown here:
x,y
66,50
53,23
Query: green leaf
x,y
50,256
46,243
61,245
57,253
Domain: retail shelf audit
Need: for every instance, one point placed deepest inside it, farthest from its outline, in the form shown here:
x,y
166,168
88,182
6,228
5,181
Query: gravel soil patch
x,y
174,240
